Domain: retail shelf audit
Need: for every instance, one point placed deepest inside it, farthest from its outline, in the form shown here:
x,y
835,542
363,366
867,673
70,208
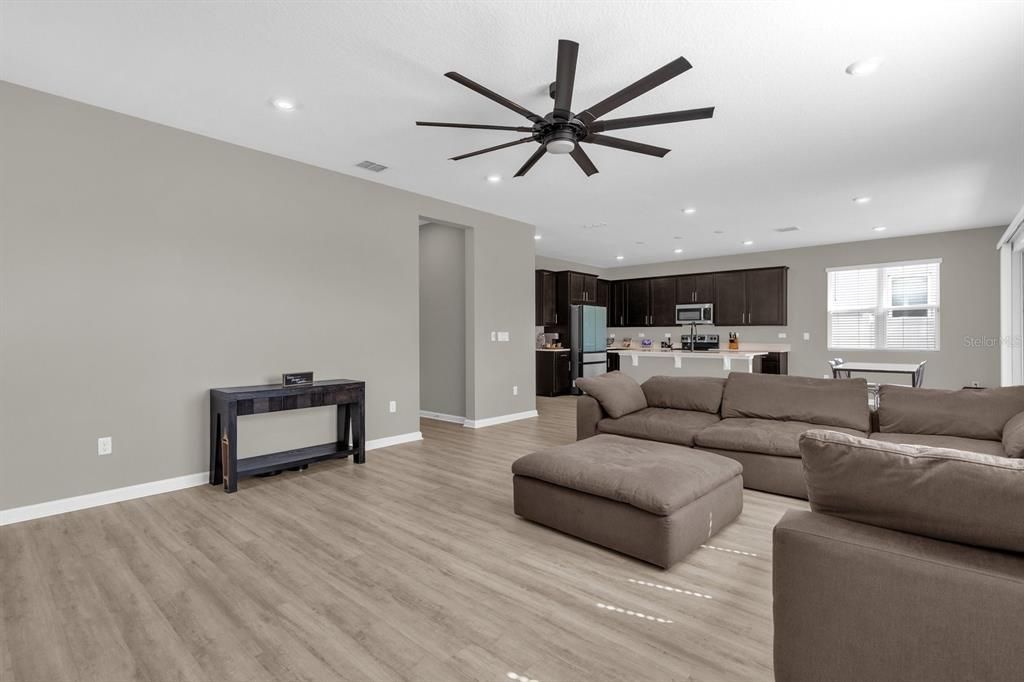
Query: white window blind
x,y
891,306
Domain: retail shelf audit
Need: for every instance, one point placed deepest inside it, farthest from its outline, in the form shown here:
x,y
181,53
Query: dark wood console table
x,y
227,404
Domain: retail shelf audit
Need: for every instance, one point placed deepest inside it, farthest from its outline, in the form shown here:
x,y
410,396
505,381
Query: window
x,y
892,306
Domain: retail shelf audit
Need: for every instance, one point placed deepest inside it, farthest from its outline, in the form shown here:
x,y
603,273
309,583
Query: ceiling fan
x,y
562,131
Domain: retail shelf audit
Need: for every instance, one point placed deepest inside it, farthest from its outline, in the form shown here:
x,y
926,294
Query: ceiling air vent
x,y
371,166
791,228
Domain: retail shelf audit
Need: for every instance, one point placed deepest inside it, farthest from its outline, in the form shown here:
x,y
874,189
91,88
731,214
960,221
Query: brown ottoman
x,y
654,501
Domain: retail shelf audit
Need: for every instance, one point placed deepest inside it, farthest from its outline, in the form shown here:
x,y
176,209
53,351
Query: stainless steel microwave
x,y
695,313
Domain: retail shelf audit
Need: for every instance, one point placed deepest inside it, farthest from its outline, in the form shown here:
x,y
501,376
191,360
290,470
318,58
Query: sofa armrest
x,y
1013,436
857,602
588,413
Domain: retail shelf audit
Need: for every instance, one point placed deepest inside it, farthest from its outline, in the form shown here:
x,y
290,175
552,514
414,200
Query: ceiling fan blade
x,y
583,161
493,149
541,151
476,126
565,78
631,92
491,95
652,119
628,145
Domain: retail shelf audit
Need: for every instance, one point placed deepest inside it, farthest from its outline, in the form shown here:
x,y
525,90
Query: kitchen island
x,y
643,364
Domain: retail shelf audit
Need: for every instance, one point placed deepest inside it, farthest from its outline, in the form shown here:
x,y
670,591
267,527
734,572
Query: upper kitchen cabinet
x,y
695,288
637,303
603,292
546,295
767,300
576,288
751,297
663,302
616,304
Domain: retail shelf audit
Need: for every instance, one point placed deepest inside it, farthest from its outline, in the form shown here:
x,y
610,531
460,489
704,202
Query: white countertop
x,y
719,354
552,350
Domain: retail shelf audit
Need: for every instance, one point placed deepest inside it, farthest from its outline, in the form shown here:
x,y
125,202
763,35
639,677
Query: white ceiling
x,y
936,137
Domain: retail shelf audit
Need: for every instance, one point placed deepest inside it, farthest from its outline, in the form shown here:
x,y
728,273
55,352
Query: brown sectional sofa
x,y
909,566
757,419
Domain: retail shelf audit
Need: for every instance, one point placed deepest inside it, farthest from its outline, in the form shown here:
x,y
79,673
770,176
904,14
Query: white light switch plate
x,y
105,445
393,406
503,336
807,336
494,336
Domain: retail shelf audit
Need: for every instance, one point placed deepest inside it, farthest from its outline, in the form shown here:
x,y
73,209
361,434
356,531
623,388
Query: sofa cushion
x,y
1013,436
987,447
658,423
765,436
656,477
618,393
951,495
703,394
968,413
827,402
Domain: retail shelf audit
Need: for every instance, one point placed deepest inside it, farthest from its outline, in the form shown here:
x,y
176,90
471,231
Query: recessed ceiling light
x,y
619,257
861,200
494,177
748,243
677,251
880,228
864,67
537,237
284,104
689,211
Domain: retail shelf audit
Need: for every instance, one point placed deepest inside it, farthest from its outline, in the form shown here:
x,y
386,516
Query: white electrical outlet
x,y
515,390
782,335
503,336
392,407
642,335
975,384
105,445
807,336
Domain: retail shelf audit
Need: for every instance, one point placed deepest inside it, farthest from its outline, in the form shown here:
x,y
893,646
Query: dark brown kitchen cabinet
x,y
546,295
695,289
730,299
766,296
576,288
553,372
616,304
662,311
603,286
751,297
637,304
773,363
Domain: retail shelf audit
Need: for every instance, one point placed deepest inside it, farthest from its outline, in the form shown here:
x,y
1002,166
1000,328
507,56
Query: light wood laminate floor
x,y
412,566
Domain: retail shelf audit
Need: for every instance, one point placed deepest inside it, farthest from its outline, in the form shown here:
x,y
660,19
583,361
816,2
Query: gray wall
x,y
443,319
556,264
969,299
141,265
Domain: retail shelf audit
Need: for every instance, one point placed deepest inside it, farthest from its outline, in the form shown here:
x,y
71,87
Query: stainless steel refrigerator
x,y
588,341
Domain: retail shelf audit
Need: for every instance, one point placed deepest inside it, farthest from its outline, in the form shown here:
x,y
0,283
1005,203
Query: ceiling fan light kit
x,y
562,131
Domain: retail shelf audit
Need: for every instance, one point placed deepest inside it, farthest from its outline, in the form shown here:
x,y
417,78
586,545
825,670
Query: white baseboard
x,y
441,417
132,492
503,419
388,441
